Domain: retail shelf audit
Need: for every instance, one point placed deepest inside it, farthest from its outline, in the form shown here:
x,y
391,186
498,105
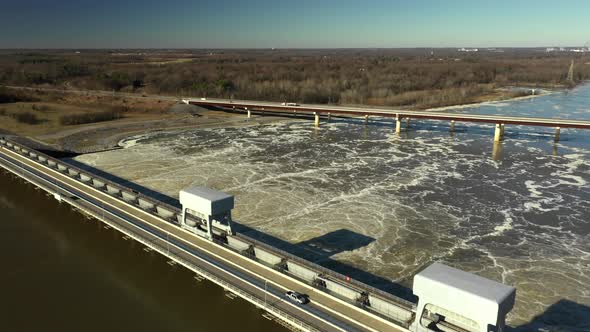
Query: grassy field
x,y
55,112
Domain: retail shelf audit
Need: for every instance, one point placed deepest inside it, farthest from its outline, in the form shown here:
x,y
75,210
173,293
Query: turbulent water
x,y
518,212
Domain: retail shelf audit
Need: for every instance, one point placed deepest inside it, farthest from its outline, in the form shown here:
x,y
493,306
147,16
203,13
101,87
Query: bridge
x,y
327,111
258,272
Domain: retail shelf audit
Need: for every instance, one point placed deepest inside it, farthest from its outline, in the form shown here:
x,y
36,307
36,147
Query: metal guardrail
x,y
402,303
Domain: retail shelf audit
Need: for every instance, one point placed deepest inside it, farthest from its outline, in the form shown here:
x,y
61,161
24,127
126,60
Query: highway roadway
x,y
272,107
324,313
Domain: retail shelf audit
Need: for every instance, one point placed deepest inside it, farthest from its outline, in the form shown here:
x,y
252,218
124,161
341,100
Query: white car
x,y
203,98
297,297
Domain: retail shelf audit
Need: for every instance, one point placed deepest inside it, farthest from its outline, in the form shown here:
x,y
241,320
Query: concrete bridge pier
x,y
557,133
398,124
499,133
366,119
329,116
407,123
249,113
452,128
317,119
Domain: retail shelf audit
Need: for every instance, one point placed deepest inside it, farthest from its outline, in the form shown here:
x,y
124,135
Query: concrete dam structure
x,y
200,237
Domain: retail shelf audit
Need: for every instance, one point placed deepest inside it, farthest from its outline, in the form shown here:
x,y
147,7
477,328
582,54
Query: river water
x,y
64,272
361,197
518,212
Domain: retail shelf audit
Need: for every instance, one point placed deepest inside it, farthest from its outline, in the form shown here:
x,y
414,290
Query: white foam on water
x,y
533,189
522,220
505,226
132,141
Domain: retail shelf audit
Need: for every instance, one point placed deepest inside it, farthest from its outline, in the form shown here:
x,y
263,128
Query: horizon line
x,y
292,48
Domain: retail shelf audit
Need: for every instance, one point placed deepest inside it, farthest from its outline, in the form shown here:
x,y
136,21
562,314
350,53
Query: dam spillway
x,y
364,307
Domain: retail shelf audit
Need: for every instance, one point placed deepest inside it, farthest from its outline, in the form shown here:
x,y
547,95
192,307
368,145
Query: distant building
x,y
463,49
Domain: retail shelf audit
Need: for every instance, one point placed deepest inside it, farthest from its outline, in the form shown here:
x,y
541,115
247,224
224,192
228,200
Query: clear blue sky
x,y
292,24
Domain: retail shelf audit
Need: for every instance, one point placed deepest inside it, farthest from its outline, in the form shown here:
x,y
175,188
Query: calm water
x,y
361,196
63,272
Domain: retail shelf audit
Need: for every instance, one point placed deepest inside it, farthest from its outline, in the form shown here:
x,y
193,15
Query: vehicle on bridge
x,y
297,297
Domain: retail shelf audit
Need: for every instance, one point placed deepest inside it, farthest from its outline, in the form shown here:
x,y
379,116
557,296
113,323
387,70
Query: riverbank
x,y
140,114
137,115
491,101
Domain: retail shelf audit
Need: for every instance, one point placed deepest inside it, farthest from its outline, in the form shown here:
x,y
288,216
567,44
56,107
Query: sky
x,y
292,24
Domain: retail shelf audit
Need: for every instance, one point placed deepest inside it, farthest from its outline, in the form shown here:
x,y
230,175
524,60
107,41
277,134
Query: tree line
x,y
416,77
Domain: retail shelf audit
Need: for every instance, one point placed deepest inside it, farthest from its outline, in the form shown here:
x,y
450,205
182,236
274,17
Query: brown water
x,y
368,201
64,272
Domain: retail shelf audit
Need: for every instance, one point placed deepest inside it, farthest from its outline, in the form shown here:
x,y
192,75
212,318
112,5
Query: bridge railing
x,y
113,184
402,303
345,279
155,243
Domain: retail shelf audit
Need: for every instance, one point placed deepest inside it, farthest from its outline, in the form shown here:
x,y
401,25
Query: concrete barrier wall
x,y
179,218
266,256
237,243
129,197
145,204
97,183
163,212
85,177
342,290
388,309
301,271
112,189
